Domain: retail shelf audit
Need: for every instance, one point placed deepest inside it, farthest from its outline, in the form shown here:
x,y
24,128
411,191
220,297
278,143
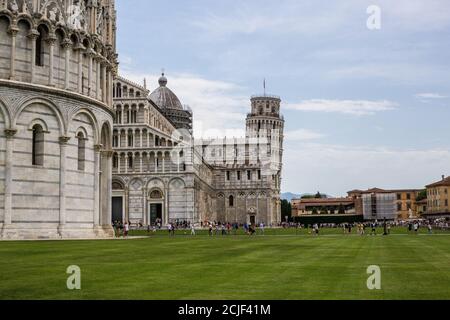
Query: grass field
x,y
282,265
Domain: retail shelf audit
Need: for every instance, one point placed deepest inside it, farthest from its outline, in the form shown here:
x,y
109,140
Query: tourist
x,y
430,229
126,228
374,229
192,230
210,230
349,228
261,227
416,227
316,229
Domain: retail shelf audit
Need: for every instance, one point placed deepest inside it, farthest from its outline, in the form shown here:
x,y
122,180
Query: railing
x,y
265,95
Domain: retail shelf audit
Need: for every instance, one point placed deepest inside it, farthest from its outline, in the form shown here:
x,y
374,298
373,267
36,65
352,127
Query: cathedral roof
x,y
164,97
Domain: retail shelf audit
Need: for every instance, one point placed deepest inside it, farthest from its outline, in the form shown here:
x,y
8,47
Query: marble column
x,y
144,206
67,45
97,159
80,70
33,35
98,79
8,176
62,184
51,42
104,85
90,71
13,33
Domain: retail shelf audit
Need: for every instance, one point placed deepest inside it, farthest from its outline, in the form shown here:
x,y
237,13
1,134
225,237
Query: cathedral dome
x,y
164,97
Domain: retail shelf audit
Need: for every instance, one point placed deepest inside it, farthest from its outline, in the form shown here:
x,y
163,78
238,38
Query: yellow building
x,y
405,201
438,199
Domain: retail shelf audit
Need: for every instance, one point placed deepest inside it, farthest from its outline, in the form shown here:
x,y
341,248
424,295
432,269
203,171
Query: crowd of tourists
x,y
215,228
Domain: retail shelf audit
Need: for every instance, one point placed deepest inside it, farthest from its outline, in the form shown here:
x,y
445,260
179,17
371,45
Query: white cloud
x,y
303,135
219,107
427,96
353,107
308,18
336,169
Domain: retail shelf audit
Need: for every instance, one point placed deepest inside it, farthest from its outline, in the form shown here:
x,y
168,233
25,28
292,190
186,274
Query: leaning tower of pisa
x,y
57,63
265,129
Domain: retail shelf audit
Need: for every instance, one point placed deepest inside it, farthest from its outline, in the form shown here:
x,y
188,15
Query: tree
x,y
318,195
422,195
324,210
286,209
314,211
341,209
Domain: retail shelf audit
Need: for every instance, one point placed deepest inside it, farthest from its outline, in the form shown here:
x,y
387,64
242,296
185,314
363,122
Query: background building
x,y
57,62
161,173
438,199
404,202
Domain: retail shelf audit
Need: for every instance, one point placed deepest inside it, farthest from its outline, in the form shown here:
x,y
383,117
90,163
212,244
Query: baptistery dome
x,y
57,63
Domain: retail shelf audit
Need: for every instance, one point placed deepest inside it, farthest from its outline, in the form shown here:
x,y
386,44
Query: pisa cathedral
x,y
81,146
161,173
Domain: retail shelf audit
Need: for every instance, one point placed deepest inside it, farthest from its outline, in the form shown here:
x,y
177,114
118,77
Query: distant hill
x,y
289,196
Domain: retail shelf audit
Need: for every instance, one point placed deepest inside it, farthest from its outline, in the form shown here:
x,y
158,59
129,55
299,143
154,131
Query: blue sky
x,y
363,108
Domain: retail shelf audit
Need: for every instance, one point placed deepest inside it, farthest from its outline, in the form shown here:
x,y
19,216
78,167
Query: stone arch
x,y
93,120
156,183
38,121
5,113
47,103
7,16
118,184
27,19
106,136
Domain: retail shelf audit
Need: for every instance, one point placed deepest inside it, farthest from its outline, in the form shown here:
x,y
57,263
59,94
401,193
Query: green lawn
x,y
331,266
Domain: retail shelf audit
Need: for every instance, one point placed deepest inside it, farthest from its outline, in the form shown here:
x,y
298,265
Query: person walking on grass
x,y
316,229
430,229
210,230
416,227
374,229
261,227
126,228
192,230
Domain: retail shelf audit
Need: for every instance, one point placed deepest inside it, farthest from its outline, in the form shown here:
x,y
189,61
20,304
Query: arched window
x,y
38,145
115,161
81,151
39,60
119,116
130,139
130,161
115,140
231,201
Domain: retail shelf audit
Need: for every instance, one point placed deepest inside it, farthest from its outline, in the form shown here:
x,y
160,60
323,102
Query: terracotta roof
x,y
443,183
324,201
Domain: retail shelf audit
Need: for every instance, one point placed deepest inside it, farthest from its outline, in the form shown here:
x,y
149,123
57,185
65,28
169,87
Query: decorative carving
x,y
10,133
14,7
64,140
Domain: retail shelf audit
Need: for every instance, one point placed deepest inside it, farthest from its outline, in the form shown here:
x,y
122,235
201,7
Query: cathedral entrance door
x,y
117,209
156,211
